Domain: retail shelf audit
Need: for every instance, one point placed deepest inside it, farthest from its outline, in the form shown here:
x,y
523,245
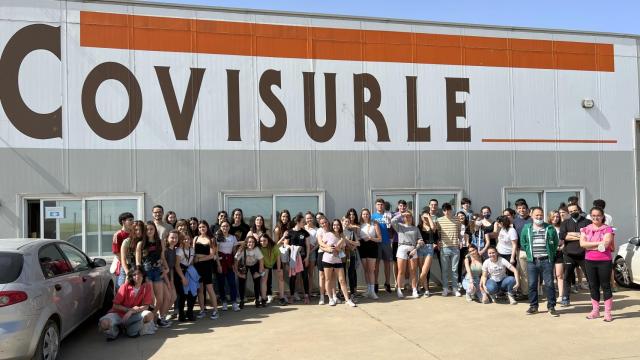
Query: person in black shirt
x,y
298,236
238,227
572,252
222,216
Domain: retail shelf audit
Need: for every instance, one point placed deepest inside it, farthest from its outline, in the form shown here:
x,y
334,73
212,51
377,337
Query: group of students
x,y
168,262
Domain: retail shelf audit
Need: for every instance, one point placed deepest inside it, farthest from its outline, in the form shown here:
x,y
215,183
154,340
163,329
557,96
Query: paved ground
x,y
433,328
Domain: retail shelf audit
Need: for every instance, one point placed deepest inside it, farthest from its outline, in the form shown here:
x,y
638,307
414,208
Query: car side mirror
x,y
635,241
99,262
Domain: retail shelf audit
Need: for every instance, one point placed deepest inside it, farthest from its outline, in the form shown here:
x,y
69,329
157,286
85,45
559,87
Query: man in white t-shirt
x,y
163,228
495,279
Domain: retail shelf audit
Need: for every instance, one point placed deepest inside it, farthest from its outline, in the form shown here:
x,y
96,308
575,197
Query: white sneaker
x,y
468,297
332,302
459,286
321,302
201,314
350,303
214,315
512,299
225,306
235,307
296,297
366,294
458,293
336,300
414,294
400,294
373,295
269,299
427,293
445,292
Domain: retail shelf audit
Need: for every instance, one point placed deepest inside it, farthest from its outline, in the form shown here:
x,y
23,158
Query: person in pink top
x,y
597,240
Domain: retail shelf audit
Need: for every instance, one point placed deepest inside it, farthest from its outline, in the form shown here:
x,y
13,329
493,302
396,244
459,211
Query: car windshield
x,y
10,267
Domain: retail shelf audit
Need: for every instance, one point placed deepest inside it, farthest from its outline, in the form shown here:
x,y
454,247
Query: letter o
x,y
101,73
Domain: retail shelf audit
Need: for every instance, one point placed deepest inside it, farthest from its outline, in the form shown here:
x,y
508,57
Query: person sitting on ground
x,y
495,279
130,307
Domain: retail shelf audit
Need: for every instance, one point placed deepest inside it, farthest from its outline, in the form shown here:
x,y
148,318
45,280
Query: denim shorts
x,y
154,274
426,250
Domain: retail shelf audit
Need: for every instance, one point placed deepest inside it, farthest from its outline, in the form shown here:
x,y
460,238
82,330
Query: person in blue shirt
x,y
385,251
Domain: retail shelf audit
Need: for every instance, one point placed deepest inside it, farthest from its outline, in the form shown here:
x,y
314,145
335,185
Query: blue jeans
x,y
505,284
132,326
230,277
544,269
449,257
466,284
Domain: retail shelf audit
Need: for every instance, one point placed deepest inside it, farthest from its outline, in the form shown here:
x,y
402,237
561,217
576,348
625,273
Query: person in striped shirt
x,y
449,230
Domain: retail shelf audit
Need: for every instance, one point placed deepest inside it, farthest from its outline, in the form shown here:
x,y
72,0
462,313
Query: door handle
x,y
58,287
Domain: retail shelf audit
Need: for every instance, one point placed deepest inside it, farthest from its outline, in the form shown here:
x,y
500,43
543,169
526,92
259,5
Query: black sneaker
x,y
375,288
282,302
242,304
553,312
532,310
387,288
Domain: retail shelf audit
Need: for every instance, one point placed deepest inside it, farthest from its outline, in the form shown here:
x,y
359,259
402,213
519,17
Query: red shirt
x,y
127,297
120,236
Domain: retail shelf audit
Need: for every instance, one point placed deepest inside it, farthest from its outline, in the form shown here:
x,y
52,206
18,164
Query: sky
x,y
613,16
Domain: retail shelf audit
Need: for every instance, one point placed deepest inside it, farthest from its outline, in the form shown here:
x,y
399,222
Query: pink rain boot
x,y
608,306
595,313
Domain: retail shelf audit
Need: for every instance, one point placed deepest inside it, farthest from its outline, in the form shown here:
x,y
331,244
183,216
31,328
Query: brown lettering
x,y
233,104
369,108
21,44
319,133
275,132
456,109
102,128
180,119
415,133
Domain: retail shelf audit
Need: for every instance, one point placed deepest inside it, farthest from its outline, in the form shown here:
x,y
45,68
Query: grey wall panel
x,y
101,171
577,168
287,170
619,191
441,169
534,168
392,169
343,170
489,172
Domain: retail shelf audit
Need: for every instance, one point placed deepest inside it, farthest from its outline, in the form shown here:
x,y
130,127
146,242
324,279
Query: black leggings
x,y
305,282
242,282
463,252
182,298
599,275
351,273
571,262
436,253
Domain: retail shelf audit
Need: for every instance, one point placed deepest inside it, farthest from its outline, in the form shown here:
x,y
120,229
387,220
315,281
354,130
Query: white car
x,y
47,289
627,263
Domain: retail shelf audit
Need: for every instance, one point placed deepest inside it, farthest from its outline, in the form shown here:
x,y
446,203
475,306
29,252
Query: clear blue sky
x,y
605,16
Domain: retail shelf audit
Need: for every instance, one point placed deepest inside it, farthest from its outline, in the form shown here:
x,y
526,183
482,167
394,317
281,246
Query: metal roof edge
x,y
351,17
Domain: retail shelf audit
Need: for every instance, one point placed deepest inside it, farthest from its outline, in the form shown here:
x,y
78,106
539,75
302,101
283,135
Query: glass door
x,y
62,219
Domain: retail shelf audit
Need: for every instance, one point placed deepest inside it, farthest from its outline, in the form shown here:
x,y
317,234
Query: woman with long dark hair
x,y
227,246
150,255
272,264
333,246
206,261
299,237
425,251
370,237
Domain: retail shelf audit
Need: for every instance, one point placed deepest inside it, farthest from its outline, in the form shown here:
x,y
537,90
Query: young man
x,y
433,213
522,218
126,221
573,253
384,249
163,228
539,241
466,208
449,231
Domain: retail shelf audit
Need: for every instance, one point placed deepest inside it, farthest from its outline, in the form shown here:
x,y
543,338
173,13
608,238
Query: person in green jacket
x,y
539,240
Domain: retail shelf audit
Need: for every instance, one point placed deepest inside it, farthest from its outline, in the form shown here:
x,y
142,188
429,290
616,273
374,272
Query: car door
x,y
635,262
62,285
91,288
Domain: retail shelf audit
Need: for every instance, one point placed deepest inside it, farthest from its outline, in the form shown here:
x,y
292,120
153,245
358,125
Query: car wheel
x,y
49,343
621,273
107,302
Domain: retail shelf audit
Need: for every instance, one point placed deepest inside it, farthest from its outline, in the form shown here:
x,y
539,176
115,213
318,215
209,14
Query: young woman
x,y
312,229
150,255
370,238
182,225
193,227
597,240
463,241
487,227
298,236
171,218
351,252
477,235
555,219
238,227
425,249
507,240
408,237
324,228
250,263
227,246
206,250
333,244
258,228
473,265
495,278
170,247
186,285
128,249
282,226
271,256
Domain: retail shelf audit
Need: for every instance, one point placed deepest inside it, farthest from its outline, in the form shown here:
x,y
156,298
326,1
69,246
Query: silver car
x,y
627,263
47,289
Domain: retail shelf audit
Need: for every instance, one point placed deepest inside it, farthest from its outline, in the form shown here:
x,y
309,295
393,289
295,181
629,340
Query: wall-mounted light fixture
x,y
588,103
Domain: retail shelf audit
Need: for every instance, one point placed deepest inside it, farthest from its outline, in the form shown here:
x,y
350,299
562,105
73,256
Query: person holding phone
x,y
408,238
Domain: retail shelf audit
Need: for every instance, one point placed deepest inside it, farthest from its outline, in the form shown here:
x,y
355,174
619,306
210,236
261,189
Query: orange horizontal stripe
x,y
561,141
151,33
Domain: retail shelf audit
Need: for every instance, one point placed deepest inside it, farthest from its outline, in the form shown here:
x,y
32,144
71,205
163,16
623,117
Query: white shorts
x,y
404,250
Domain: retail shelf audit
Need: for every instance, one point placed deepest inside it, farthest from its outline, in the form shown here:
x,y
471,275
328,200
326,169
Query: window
x,y
418,200
269,205
10,267
52,262
548,199
77,259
